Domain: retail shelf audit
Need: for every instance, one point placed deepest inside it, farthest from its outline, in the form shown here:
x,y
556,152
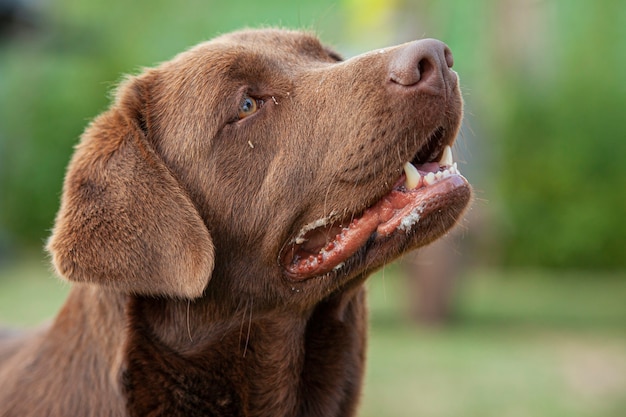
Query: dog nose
x,y
423,65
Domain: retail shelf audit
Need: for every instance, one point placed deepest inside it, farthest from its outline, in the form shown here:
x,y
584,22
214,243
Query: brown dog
x,y
218,222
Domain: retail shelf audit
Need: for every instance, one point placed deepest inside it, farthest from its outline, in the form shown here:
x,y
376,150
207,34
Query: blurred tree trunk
x,y
432,274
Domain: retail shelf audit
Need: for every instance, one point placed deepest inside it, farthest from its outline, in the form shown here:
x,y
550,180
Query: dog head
x,y
265,163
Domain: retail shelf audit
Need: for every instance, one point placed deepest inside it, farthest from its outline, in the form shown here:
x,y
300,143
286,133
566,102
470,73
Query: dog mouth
x,y
422,190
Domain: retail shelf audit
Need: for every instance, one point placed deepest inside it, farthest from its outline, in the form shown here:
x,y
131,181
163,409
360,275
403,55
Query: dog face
x,y
263,163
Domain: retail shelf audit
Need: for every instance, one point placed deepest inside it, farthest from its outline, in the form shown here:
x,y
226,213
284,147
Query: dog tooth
x,y
412,176
430,178
446,158
446,173
438,175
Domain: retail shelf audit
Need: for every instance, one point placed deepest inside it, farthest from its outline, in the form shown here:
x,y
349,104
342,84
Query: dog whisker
x,y
189,320
245,349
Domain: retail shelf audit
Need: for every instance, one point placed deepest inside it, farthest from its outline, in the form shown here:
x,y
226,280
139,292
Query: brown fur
x,y
174,215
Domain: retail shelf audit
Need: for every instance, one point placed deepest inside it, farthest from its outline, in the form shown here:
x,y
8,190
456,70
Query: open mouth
x,y
422,189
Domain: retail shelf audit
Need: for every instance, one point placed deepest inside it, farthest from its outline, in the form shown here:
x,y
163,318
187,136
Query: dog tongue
x,y
317,255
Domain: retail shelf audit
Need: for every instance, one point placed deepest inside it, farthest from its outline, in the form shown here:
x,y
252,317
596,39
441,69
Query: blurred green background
x,y
521,312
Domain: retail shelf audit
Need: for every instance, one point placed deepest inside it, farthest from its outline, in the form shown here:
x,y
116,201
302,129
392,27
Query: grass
x,y
29,292
524,343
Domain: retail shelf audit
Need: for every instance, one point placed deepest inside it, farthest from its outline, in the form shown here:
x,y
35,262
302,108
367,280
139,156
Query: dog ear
x,y
125,222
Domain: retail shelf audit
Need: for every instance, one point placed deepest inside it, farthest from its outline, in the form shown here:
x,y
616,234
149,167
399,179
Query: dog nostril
x,y
424,68
424,64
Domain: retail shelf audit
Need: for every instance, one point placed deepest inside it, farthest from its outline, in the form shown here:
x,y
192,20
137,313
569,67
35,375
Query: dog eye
x,y
249,106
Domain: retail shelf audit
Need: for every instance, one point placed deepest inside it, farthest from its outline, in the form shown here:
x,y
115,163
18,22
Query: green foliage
x,y
47,100
560,178
543,82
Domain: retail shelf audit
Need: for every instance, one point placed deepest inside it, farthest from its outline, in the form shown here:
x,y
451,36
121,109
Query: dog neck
x,y
192,359
145,356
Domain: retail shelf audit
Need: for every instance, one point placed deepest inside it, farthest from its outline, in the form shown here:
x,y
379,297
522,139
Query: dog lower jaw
x,y
325,245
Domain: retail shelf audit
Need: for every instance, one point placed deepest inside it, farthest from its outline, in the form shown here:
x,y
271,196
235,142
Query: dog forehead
x,y
275,40
274,47
266,58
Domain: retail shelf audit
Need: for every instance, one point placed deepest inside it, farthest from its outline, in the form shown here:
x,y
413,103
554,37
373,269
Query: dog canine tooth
x,y
412,176
446,158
